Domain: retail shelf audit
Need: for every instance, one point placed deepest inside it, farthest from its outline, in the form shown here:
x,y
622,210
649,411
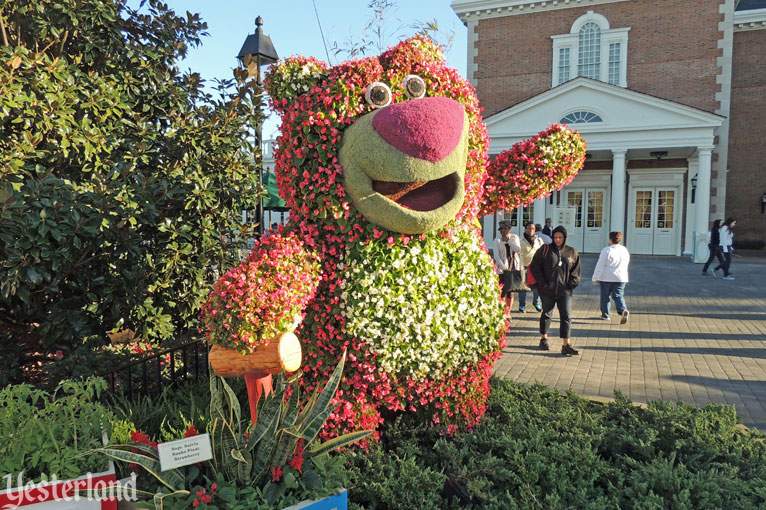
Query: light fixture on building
x,y
257,51
658,154
694,187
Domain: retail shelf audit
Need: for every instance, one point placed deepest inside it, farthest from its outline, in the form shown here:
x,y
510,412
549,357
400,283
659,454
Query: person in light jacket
x,y
557,270
612,273
530,243
726,242
506,254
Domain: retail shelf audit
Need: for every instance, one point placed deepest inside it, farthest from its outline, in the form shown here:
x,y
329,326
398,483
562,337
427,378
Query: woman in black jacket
x,y
715,249
556,270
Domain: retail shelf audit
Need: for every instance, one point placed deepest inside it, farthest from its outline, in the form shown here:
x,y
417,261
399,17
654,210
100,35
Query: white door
x,y
654,226
640,239
595,229
590,232
666,221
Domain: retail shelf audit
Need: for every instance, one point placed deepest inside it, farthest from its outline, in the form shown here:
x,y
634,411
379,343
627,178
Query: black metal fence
x,y
153,372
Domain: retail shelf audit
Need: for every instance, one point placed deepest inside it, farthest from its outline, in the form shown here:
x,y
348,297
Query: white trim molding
x,y
468,10
753,19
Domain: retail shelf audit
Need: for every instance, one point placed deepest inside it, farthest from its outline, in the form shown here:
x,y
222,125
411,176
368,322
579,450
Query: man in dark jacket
x,y
556,269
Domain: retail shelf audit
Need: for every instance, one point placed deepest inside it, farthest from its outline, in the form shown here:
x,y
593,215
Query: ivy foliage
x,y
121,180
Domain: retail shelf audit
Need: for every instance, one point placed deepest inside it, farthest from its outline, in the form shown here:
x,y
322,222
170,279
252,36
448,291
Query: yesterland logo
x,y
86,488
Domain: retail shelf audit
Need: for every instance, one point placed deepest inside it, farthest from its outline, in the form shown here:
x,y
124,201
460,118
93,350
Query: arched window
x,y
581,117
591,49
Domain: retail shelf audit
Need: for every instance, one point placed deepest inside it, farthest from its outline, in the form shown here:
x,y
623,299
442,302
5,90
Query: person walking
x,y
726,241
530,243
557,271
539,233
547,230
713,247
505,253
612,273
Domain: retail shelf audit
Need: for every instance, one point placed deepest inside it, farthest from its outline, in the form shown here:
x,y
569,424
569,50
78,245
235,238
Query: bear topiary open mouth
x,y
419,195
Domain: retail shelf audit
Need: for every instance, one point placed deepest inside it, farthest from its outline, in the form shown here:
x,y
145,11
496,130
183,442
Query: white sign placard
x,y
183,452
565,216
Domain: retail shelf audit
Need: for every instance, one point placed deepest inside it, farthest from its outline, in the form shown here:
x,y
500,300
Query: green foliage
x,y
284,430
276,461
231,496
538,448
45,433
121,181
168,416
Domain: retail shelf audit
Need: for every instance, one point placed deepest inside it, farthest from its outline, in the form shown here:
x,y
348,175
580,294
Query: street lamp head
x,y
258,46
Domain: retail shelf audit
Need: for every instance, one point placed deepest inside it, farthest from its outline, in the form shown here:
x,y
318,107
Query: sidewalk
x,y
690,338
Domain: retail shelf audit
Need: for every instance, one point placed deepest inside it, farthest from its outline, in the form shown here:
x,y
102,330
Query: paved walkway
x,y
690,338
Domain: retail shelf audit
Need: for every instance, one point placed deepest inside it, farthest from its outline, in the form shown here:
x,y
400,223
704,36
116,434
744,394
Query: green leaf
x,y
337,442
172,479
34,276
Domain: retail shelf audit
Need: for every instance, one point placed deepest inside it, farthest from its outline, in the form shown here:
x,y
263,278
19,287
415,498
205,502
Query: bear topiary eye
x,y
378,94
414,86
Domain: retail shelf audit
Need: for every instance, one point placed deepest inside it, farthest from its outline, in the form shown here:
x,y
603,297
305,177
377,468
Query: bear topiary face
x,y
404,164
393,141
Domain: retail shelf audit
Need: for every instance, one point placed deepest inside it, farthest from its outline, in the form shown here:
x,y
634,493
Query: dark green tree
x,y
121,181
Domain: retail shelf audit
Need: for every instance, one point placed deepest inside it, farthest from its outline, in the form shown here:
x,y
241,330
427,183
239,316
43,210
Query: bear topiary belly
x,y
425,309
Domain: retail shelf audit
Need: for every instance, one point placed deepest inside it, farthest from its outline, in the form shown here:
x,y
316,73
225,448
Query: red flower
x,y
191,431
276,473
297,461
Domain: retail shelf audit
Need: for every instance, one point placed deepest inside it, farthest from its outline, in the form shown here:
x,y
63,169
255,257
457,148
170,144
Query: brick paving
x,y
690,338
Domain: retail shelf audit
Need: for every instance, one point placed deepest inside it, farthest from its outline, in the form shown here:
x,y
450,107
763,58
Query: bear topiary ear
x,y
292,77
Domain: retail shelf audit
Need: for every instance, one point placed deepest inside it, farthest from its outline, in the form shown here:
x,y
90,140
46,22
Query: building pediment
x,y
607,116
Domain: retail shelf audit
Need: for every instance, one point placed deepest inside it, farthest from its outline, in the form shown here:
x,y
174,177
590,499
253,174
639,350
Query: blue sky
x,y
292,26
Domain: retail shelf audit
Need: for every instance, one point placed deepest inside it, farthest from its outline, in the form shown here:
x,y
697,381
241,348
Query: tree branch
x,y
2,30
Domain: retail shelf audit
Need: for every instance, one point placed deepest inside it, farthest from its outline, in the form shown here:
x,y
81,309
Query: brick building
x,y
670,96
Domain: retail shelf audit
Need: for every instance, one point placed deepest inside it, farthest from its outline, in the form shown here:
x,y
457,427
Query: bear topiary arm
x,y
262,296
533,168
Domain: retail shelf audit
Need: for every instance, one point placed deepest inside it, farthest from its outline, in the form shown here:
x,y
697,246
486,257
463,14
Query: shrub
x,y
45,434
121,182
539,448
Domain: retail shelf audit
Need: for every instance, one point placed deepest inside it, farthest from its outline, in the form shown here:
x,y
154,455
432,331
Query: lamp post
x,y
694,187
257,51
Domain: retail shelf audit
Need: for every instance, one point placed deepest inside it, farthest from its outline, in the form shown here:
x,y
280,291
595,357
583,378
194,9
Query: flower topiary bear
x,y
383,164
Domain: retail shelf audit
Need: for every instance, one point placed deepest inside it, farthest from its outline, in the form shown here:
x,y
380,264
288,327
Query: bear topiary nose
x,y
429,128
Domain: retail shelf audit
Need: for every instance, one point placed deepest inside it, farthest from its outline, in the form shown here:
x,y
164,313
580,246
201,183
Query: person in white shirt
x,y
542,235
506,254
612,273
726,242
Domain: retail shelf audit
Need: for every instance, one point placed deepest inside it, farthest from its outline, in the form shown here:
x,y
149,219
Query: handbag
x,y
531,282
514,279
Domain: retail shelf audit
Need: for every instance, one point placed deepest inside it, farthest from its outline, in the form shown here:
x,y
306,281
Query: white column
x,y
690,211
702,195
538,213
702,203
617,216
